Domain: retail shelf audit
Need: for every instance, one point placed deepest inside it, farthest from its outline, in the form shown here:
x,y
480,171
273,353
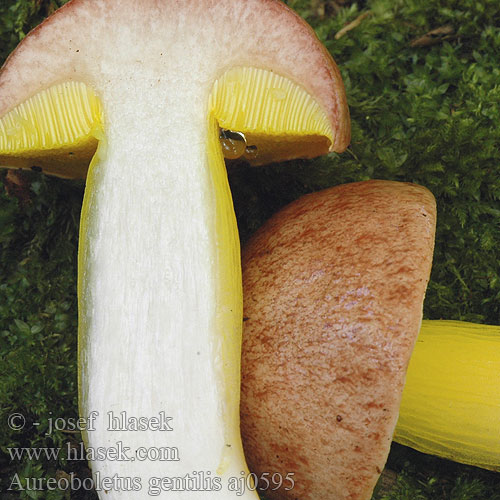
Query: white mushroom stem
x,y
151,344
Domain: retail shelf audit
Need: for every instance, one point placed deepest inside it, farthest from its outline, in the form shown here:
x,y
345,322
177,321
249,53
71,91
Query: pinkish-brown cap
x,y
333,293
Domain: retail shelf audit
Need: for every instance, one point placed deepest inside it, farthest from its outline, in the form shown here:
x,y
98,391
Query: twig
x,y
352,25
434,37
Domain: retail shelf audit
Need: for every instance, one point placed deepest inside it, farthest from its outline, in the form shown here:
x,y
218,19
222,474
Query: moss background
x,y
427,114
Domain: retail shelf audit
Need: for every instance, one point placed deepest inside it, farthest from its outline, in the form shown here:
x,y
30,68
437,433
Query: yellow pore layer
x,y
57,129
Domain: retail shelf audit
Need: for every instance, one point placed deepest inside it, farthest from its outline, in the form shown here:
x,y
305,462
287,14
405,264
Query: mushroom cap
x,y
111,45
333,293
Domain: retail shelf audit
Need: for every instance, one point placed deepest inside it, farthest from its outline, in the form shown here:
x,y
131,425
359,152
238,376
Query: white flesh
x,y
148,297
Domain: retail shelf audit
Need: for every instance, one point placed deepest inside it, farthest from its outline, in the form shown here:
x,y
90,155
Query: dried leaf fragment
x,y
434,37
352,25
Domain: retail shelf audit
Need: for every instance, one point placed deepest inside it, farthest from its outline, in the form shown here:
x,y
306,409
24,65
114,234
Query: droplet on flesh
x,y
251,152
233,144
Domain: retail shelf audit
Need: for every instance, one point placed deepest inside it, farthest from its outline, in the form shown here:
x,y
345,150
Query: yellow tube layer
x,y
56,130
276,115
451,400
260,101
62,115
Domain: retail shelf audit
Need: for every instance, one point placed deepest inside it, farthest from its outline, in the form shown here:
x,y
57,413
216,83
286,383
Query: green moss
x,y
428,115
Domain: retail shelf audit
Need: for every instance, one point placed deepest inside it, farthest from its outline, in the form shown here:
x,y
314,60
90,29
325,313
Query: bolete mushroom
x,y
143,92
333,293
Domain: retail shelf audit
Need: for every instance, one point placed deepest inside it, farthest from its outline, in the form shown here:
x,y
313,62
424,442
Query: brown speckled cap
x,y
333,292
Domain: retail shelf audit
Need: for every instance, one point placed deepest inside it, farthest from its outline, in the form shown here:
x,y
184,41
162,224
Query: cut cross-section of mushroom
x,y
144,93
333,293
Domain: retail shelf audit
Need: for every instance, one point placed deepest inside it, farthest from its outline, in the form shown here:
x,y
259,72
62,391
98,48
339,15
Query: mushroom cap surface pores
x,y
333,285
144,91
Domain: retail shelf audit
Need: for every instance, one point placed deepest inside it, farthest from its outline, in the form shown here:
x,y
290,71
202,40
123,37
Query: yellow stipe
x,y
451,400
57,126
276,115
229,298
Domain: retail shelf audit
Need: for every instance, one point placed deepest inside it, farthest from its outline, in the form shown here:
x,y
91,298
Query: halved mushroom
x,y
151,86
333,293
